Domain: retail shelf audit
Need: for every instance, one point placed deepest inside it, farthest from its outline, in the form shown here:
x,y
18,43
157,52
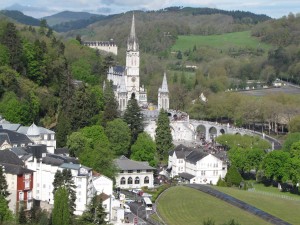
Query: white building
x,y
40,135
45,169
133,174
107,46
196,166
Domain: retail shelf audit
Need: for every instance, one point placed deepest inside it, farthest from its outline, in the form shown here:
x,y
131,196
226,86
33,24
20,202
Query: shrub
x,y
221,183
233,177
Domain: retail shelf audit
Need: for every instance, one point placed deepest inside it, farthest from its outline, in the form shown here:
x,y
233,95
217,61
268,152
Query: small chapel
x,y
126,79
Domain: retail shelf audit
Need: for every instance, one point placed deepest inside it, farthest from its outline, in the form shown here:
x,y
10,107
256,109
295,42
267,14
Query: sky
x,y
41,8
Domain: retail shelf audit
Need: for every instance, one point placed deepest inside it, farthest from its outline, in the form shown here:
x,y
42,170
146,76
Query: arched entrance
x,y
222,131
212,133
201,131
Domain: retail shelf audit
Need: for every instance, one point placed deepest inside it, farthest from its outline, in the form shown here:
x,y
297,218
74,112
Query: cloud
x,y
104,10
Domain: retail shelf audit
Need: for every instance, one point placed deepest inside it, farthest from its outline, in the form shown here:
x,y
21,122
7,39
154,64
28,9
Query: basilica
x,y
126,79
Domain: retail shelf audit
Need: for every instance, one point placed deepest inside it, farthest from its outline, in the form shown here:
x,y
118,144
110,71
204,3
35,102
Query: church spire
x,y
164,86
132,44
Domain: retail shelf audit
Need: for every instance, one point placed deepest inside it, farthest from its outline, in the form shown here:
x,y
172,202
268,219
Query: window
x,y
29,195
123,180
129,181
202,172
130,171
138,171
215,172
148,171
21,196
27,184
122,171
137,180
146,180
29,205
104,206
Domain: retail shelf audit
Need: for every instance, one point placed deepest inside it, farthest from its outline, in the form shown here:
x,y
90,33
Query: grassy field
x,y
182,205
223,41
282,208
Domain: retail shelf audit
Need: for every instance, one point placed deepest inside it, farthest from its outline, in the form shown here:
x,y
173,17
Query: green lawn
x,y
223,41
182,205
282,208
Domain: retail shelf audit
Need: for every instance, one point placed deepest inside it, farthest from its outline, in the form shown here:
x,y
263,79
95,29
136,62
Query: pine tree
x,y
64,179
95,213
163,135
3,184
134,118
111,105
61,213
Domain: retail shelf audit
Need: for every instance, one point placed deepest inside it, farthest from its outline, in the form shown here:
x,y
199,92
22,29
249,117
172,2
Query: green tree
x,y
290,139
63,129
95,213
64,179
294,124
3,184
233,177
134,118
61,213
5,213
144,149
273,165
118,134
94,149
163,135
11,39
111,105
22,219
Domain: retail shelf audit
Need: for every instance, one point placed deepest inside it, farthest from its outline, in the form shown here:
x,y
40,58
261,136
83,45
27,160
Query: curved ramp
x,y
238,203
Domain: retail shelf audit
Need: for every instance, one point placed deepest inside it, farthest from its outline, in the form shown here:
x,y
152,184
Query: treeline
x,y
247,154
77,24
239,16
20,17
283,33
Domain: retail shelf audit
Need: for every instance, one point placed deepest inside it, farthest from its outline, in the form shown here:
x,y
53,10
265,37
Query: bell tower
x,y
132,72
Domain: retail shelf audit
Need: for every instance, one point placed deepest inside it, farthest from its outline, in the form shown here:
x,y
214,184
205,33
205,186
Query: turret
x,y
132,42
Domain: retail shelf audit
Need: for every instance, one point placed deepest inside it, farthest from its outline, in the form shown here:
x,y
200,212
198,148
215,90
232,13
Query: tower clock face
x,y
133,79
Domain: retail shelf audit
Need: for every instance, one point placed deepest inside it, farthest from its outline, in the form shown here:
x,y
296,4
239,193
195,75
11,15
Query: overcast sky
x,y
40,8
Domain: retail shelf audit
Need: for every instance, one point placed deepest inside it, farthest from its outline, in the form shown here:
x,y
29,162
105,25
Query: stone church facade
x,y
126,79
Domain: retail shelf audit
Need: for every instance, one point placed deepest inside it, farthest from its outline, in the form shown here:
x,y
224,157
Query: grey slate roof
x,y
19,151
52,161
119,69
123,163
10,126
181,151
186,176
15,169
4,137
61,151
65,159
195,156
16,138
7,156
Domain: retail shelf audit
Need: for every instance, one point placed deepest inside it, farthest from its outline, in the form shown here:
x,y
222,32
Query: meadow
x,y
222,41
182,205
270,200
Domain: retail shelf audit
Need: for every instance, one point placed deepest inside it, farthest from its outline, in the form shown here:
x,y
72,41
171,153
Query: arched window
x,y
123,180
129,181
137,180
146,180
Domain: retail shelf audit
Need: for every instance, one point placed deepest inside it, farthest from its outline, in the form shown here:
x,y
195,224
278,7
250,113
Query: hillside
x,y
68,16
20,17
157,30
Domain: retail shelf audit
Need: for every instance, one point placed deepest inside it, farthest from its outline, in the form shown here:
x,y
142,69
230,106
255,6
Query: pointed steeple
x,y
132,42
164,86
